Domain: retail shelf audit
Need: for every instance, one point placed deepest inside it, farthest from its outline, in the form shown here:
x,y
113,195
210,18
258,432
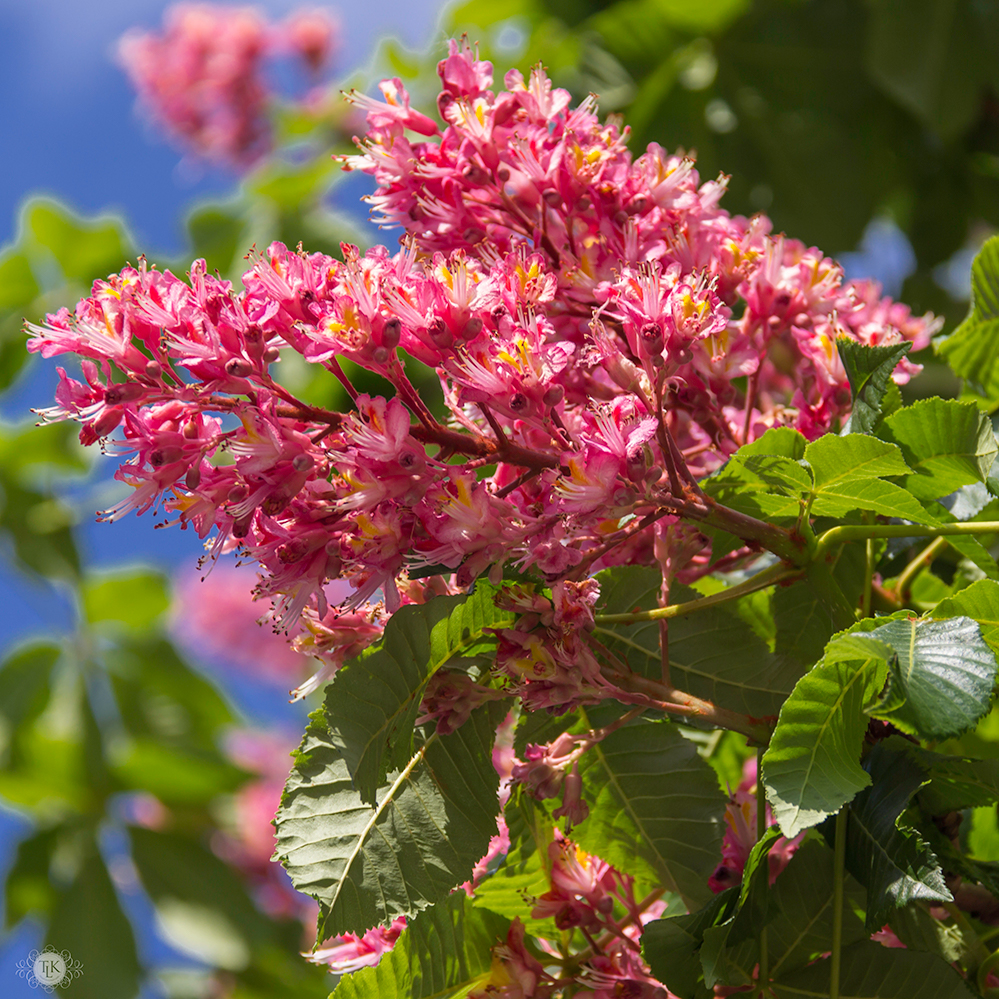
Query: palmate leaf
x,y
973,348
444,953
671,947
869,370
656,810
885,856
800,928
375,699
713,654
941,678
836,499
431,821
812,765
870,971
946,443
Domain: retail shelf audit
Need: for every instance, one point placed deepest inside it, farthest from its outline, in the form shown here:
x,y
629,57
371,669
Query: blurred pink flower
x,y
311,33
216,619
201,78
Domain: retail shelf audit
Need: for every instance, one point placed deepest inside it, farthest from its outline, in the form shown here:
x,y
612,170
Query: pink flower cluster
x,y
202,78
589,894
604,333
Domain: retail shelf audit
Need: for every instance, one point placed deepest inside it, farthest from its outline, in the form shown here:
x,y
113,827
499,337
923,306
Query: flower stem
x,y
777,573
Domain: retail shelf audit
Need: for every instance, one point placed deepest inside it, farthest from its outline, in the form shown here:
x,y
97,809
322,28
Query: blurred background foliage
x,y
835,117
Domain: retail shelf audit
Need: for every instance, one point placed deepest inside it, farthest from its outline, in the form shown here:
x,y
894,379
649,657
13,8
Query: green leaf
x,y
176,775
89,923
655,808
18,287
980,602
803,617
706,16
801,917
135,599
946,443
812,765
444,953
926,56
753,682
783,441
524,873
855,456
837,499
163,699
882,853
374,700
84,250
430,824
671,947
869,370
39,527
941,679
216,234
24,682
187,881
973,348
920,931
750,914
870,971
28,890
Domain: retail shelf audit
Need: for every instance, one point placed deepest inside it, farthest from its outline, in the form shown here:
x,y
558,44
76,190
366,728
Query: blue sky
x,y
67,120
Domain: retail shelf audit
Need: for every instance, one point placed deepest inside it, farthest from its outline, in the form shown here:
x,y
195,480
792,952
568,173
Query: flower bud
x,y
391,334
153,370
553,396
271,354
651,338
302,462
238,367
472,328
440,334
193,478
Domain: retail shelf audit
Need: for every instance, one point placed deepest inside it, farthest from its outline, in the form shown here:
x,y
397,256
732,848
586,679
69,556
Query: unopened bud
x,y
238,367
380,355
553,396
271,354
238,493
519,402
440,334
154,369
503,174
552,198
302,462
193,478
651,338
472,328
391,334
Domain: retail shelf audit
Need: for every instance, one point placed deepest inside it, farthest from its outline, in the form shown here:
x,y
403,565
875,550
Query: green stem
x,y
861,532
839,873
868,578
916,566
761,828
777,573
